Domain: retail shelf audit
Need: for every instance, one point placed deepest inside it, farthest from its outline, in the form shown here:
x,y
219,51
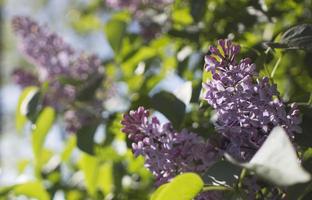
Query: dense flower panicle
x,y
24,78
167,153
65,70
43,48
60,96
248,107
50,53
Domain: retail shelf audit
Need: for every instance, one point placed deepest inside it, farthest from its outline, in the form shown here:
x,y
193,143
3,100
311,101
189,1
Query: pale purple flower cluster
x,y
51,54
24,78
167,152
247,106
65,70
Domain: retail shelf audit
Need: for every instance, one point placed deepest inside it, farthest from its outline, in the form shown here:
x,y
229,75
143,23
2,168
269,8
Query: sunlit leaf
x,y
182,16
32,189
105,178
156,194
86,23
115,30
40,130
276,161
183,187
70,145
90,168
20,115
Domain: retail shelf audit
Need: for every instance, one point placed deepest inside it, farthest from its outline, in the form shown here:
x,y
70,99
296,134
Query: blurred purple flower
x,y
51,54
65,71
247,106
24,78
167,152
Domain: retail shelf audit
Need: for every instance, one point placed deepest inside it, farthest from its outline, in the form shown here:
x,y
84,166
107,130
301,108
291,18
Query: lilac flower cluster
x,y
247,106
51,54
167,152
64,70
24,78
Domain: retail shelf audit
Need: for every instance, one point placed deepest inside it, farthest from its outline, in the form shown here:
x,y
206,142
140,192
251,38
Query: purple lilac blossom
x,y
51,54
167,152
58,65
248,107
210,195
24,78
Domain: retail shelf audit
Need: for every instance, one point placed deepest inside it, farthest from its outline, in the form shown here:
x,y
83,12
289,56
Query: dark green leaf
x,y
222,171
87,91
21,110
298,37
85,139
29,106
169,105
198,9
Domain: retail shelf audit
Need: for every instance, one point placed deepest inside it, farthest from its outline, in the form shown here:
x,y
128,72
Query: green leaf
x,y
156,194
276,161
115,30
87,91
198,9
86,23
40,130
85,139
70,145
24,98
182,16
105,178
299,36
29,106
183,187
169,105
222,172
33,189
90,167
22,164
